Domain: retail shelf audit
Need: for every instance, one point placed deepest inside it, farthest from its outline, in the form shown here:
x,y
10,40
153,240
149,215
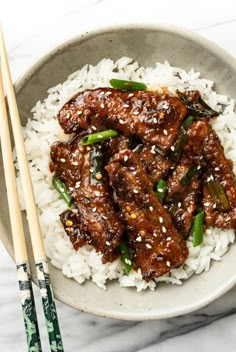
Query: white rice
x,y
43,129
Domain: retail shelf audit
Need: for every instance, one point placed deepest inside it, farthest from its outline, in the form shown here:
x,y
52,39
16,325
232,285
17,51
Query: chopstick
x,y
31,210
21,258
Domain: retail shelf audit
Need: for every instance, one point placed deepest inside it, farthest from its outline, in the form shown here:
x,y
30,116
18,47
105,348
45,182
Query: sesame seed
x,y
94,209
125,105
94,128
168,238
139,239
165,132
126,158
135,112
63,160
163,229
154,120
128,208
104,217
77,185
75,163
79,112
172,148
160,190
161,219
102,105
134,172
69,223
148,246
151,208
153,151
101,93
135,191
127,261
68,116
207,204
97,193
168,263
71,188
130,95
214,205
199,167
210,178
108,243
179,205
108,93
100,136
75,211
133,216
154,234
121,122
217,169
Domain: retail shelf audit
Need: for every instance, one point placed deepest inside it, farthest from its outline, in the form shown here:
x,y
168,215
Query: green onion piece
x,y
98,137
96,164
197,106
161,189
62,190
218,193
125,256
187,122
185,180
198,228
127,85
181,141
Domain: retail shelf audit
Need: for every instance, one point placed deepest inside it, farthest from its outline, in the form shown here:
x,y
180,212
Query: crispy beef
x,y
153,117
219,169
157,245
96,219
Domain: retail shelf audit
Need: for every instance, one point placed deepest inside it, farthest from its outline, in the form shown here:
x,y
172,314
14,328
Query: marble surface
x,y
31,28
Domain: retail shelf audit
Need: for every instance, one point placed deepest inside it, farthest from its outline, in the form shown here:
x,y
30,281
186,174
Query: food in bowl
x,y
179,154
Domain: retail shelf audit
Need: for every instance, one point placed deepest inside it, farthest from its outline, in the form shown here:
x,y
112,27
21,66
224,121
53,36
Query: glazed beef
x,y
157,245
183,194
96,218
154,118
220,171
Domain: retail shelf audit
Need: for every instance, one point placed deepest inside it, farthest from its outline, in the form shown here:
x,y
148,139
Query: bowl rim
x,y
168,28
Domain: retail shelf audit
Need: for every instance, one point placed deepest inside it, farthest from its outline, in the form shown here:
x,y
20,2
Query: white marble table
x,y
32,27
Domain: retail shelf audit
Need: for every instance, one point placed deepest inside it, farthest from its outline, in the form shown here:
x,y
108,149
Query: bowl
x,y
147,44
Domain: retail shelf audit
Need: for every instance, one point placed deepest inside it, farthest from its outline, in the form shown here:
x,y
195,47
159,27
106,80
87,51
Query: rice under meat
x,y
43,129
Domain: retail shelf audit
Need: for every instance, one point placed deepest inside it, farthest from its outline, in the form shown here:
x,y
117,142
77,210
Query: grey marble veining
x,y
29,36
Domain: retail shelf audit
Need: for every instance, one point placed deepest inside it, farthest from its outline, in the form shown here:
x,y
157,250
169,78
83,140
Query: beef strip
x,y
154,118
204,143
156,165
96,219
157,245
220,169
181,199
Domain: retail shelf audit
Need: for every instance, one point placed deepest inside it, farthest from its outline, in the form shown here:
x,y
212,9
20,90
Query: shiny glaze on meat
x,y
96,217
205,144
156,165
157,245
220,169
154,118
181,199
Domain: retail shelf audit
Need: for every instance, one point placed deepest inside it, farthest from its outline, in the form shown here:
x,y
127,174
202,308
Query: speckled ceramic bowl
x,y
147,44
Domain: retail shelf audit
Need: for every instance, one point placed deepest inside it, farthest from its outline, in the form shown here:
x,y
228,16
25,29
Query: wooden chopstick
x,y
30,205
21,258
